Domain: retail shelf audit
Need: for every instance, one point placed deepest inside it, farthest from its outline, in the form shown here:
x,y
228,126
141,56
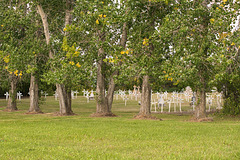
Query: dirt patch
x,y
103,115
146,117
60,114
34,113
206,119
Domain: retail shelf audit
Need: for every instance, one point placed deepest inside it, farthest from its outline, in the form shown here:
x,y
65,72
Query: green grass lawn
x,y
46,136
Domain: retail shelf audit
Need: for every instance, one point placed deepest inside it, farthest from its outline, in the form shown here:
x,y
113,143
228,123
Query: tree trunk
x,y
34,106
145,97
12,101
64,104
200,111
45,26
111,86
102,104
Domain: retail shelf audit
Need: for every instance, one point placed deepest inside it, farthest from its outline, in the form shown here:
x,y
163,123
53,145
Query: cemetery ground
x,y
46,136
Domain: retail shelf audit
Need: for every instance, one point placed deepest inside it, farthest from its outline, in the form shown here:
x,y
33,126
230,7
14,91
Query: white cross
x,y
84,93
7,95
45,94
19,95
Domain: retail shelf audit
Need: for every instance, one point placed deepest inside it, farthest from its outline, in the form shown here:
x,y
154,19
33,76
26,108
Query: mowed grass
x,y
46,136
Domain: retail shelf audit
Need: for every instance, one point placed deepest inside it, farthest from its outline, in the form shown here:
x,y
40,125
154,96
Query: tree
x,y
16,36
148,43
196,47
227,78
60,16
98,29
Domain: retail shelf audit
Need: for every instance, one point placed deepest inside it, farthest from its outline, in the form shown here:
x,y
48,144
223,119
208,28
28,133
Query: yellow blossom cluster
x,y
6,59
127,51
145,42
100,16
212,20
78,65
71,51
71,62
16,73
111,60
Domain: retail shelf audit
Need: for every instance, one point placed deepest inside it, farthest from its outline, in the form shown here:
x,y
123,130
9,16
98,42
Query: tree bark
x,y
65,107
45,26
12,101
34,105
145,97
102,104
200,111
111,88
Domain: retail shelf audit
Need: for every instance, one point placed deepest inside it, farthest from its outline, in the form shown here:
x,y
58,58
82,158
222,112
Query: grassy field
x,y
46,136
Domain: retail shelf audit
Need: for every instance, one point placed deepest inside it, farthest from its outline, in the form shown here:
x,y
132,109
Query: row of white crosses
x,y
74,94
19,95
88,95
162,99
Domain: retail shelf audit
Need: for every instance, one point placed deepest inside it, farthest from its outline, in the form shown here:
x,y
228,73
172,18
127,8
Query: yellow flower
x,y
104,16
100,15
122,52
111,61
145,41
71,62
102,2
212,20
127,51
20,74
6,59
16,72
1,25
232,44
64,29
6,67
217,8
224,1
97,21
222,56
164,71
10,72
78,65
166,76
76,53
